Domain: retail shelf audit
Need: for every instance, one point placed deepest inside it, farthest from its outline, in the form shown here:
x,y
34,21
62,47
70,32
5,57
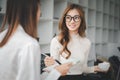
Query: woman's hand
x,y
64,68
49,61
97,69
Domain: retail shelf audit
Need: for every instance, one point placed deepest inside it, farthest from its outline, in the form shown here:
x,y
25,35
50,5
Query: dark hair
x,y
64,33
23,12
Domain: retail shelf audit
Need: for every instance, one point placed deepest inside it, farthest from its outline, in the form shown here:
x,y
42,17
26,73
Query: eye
x,y
77,17
68,17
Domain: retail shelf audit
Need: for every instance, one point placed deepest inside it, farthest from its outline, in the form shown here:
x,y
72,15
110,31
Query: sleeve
x,y
29,63
54,52
53,75
87,69
54,49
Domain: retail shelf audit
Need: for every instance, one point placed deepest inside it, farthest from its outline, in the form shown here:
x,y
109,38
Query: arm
x,y
54,52
87,69
92,69
29,63
54,75
60,69
54,49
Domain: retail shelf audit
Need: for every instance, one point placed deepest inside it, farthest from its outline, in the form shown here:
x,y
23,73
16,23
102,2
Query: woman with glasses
x,y
72,45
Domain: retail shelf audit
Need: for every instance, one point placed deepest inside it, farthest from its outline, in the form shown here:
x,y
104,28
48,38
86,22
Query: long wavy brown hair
x,y
64,36
23,12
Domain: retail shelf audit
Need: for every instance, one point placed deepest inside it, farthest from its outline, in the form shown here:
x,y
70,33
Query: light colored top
x,y
52,75
79,48
20,57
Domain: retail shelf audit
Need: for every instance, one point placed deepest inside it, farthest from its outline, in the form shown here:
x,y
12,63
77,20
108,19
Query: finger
x,y
47,58
51,58
69,64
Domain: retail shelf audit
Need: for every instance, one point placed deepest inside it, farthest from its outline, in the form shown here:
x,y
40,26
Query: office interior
x,y
103,25
102,19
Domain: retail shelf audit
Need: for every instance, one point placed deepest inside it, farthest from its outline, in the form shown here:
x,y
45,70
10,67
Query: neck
x,y
73,33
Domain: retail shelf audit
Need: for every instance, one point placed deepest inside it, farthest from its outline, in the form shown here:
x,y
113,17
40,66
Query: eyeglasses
x,y
76,18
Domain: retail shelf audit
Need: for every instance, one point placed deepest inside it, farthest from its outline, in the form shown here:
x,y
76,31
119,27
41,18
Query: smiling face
x,y
73,21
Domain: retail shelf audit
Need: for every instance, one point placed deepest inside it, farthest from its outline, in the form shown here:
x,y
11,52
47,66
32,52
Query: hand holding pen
x,y
50,60
50,63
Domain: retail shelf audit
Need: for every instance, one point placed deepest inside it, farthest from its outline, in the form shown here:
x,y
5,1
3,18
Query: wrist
x,y
96,68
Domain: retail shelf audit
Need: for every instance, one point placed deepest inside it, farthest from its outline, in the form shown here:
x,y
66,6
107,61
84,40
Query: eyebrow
x,y
72,16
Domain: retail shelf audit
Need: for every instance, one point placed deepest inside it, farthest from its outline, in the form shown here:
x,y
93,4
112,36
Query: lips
x,y
72,26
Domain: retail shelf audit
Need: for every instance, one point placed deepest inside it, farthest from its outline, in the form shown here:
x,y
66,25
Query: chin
x,y
72,29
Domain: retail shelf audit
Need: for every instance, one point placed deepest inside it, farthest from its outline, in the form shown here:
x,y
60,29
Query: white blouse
x,y
79,48
19,57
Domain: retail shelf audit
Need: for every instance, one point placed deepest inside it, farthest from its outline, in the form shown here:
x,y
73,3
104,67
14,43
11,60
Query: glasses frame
x,y
73,18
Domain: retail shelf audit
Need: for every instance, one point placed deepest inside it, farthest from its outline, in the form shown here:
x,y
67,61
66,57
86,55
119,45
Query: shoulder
x,y
55,40
21,38
28,40
86,41
2,34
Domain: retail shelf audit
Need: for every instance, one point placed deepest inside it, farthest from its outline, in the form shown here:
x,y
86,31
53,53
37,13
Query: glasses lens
x,y
76,18
68,18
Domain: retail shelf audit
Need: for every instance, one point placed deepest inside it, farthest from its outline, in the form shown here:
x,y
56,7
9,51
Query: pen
x,y
55,59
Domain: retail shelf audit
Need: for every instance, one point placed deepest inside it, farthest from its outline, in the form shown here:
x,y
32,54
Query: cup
x,y
104,66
